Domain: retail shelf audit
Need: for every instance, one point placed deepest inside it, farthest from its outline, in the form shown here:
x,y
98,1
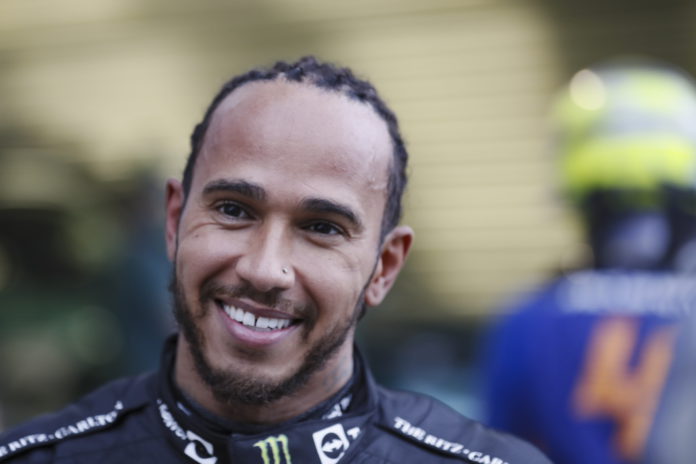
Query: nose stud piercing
x,y
285,270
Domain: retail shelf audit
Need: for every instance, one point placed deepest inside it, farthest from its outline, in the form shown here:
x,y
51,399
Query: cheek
x,y
335,281
204,254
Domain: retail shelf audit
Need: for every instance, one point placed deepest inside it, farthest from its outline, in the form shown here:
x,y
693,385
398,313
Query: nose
x,y
265,264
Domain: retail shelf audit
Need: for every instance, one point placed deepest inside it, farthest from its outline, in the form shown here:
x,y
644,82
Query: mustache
x,y
271,299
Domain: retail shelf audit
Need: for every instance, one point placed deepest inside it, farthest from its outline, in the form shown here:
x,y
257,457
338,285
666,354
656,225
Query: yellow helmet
x,y
626,126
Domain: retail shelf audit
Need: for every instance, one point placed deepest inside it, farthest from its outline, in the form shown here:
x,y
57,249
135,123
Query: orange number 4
x,y
610,387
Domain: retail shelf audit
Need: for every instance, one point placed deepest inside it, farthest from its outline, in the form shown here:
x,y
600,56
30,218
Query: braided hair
x,y
329,77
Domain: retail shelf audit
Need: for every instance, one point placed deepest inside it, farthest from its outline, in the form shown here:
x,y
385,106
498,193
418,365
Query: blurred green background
x,y
98,99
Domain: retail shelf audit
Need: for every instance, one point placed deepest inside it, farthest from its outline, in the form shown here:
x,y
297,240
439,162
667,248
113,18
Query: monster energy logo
x,y
274,445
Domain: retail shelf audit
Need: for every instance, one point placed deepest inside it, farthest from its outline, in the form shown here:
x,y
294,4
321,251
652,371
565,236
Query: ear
x,y
391,259
174,207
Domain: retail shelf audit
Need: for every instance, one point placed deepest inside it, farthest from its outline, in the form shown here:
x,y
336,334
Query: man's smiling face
x,y
278,242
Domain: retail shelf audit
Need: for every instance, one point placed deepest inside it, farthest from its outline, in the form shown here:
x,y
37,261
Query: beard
x,y
230,387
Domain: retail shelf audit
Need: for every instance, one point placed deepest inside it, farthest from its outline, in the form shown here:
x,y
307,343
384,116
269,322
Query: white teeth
x,y
248,319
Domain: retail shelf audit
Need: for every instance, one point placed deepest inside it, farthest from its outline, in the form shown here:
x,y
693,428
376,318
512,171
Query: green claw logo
x,y
271,449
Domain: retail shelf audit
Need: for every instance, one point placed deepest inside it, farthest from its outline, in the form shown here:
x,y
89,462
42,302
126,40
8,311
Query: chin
x,y
249,385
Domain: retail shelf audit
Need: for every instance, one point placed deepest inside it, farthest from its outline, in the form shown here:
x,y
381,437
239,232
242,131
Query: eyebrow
x,y
321,205
258,193
248,189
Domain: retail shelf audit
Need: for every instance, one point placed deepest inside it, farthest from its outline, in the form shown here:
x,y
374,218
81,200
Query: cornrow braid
x,y
332,78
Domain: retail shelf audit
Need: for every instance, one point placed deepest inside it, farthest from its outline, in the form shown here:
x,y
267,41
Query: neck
x,y
324,383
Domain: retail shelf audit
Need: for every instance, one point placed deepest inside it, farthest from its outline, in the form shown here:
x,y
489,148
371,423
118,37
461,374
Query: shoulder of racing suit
x,y
425,425
98,424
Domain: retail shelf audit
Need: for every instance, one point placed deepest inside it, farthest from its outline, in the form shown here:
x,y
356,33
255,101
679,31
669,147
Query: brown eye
x,y
233,210
324,228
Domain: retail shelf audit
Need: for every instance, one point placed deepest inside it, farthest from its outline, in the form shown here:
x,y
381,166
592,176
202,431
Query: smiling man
x,y
283,230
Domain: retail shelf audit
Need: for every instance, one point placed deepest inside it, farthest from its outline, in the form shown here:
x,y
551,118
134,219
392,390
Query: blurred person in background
x,y
578,366
283,230
671,439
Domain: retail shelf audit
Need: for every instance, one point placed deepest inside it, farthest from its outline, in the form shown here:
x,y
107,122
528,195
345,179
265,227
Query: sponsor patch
x,y
404,427
331,443
339,408
80,427
275,450
196,448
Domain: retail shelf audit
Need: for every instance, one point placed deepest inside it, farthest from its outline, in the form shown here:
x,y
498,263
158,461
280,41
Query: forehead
x,y
299,126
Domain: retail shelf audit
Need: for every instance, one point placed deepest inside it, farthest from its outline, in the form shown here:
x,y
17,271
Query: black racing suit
x,y
146,419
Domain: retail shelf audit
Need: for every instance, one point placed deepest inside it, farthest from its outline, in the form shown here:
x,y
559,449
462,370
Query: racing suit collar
x,y
321,435
335,406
